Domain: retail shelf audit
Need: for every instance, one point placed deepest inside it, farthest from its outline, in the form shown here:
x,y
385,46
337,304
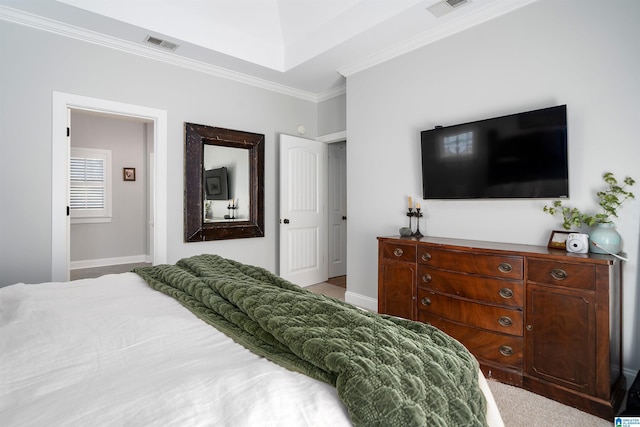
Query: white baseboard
x,y
630,375
104,262
365,302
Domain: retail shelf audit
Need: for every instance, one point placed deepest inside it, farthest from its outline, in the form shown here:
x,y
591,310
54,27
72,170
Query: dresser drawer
x,y
502,292
398,251
499,319
507,267
577,276
506,350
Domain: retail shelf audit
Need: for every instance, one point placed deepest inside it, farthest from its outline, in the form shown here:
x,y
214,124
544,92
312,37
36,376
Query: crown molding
x,y
454,26
66,30
332,93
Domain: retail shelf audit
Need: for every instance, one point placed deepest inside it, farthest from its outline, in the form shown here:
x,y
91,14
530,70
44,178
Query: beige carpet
x,y
521,408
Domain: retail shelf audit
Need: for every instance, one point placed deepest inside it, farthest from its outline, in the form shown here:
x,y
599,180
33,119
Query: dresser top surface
x,y
512,248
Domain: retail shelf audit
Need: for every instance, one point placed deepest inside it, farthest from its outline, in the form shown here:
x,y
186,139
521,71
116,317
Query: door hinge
x,y
68,131
68,211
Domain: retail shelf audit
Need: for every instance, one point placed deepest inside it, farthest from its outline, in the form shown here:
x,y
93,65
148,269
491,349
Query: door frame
x,y
60,224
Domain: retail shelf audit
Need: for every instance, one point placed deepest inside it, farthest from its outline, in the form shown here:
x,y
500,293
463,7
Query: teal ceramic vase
x,y
607,239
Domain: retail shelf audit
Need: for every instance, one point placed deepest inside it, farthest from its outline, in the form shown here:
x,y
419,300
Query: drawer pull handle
x,y
505,321
426,278
425,301
505,350
506,293
398,252
426,256
559,274
505,267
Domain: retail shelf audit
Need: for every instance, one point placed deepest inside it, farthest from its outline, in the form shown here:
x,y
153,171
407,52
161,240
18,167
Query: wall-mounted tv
x,y
521,155
215,184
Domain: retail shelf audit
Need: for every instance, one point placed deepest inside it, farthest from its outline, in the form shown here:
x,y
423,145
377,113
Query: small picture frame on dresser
x,y
558,239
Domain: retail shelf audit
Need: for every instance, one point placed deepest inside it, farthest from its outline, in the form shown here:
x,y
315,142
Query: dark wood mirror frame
x,y
195,229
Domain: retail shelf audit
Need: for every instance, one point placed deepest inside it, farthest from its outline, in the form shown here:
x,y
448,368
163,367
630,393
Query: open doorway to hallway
x,y
111,208
337,208
60,149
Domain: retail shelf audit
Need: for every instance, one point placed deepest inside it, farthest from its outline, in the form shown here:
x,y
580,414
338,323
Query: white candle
x,y
417,205
410,203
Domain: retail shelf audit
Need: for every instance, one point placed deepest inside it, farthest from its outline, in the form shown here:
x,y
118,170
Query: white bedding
x,y
112,351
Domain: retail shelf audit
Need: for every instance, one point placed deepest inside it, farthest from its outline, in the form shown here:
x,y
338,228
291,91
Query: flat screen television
x,y
215,184
521,155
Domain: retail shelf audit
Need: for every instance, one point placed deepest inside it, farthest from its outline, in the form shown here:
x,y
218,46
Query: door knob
x,y
286,221
344,218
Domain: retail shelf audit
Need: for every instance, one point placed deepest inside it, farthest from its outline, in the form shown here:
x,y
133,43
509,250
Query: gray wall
x,y
36,63
583,54
332,116
126,234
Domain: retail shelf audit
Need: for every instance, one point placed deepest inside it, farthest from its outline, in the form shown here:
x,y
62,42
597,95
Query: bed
x,y
131,349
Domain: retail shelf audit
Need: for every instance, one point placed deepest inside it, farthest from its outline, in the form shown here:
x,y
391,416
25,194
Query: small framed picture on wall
x,y
129,174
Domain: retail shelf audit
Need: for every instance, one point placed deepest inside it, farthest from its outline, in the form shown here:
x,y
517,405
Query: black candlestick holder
x,y
410,214
232,211
418,215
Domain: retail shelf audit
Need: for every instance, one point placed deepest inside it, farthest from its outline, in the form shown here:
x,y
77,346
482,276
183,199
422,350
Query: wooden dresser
x,y
537,318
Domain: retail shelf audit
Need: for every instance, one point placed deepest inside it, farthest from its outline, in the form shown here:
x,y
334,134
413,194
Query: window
x,y
458,145
90,185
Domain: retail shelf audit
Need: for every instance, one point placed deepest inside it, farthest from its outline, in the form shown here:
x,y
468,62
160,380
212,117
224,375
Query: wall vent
x,y
163,43
445,6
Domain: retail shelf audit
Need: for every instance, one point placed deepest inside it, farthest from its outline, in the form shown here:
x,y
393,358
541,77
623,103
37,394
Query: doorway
x,y
303,214
111,213
312,195
337,208
60,240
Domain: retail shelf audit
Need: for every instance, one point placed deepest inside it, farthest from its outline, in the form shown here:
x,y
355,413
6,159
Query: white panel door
x,y
302,210
337,206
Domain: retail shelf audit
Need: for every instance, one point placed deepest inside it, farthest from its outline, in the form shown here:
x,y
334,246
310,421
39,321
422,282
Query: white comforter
x,y
112,351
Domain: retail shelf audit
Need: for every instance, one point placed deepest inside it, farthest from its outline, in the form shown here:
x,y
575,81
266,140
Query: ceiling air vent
x,y
163,43
445,6
456,3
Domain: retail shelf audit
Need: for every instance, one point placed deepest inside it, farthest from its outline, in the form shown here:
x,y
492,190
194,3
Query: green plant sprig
x,y
609,200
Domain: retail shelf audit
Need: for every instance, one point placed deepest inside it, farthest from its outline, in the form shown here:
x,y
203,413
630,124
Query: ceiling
x,y
305,47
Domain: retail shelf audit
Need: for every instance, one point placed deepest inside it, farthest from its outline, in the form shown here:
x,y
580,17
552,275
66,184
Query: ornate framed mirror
x,y
223,183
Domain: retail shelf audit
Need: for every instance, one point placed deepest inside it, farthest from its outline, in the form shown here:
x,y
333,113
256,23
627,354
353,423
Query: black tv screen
x,y
521,155
215,184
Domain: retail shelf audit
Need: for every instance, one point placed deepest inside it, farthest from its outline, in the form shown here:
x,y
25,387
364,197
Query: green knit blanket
x,y
387,371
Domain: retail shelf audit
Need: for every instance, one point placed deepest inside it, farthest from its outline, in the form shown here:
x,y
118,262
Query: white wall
x,y
36,63
583,54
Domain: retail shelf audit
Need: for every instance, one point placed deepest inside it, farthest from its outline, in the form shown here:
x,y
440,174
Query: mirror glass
x,y
226,183
224,188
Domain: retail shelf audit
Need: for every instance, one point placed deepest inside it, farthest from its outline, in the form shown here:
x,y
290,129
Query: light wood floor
x,y
338,281
334,287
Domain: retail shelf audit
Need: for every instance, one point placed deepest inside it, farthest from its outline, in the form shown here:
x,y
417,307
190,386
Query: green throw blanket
x,y
387,371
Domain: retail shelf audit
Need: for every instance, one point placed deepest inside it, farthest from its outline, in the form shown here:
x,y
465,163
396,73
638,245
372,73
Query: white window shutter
x,y
90,185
